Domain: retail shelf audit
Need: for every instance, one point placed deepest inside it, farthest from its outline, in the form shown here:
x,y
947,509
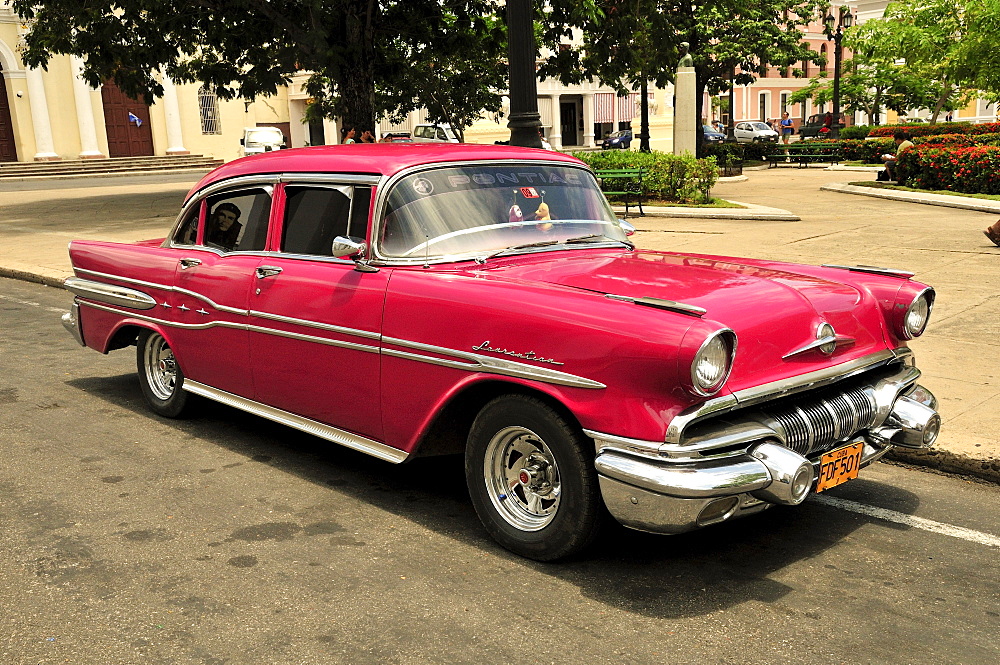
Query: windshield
x,y
761,125
264,136
477,210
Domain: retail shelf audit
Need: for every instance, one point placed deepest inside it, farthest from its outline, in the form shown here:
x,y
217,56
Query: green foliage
x,y
855,132
726,155
367,57
680,178
935,129
971,170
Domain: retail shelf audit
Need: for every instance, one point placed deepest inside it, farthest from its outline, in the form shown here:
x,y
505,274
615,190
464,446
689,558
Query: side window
x,y
441,135
187,231
360,207
314,216
237,221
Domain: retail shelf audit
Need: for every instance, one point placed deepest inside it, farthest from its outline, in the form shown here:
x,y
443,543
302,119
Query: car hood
x,y
774,308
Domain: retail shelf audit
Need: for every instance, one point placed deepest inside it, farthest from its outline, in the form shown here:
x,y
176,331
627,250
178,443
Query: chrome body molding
x,y
232,183
874,270
330,178
109,293
475,362
323,431
71,322
168,288
314,324
660,303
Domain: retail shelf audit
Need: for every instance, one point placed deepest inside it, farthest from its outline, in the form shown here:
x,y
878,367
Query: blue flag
x,y
132,117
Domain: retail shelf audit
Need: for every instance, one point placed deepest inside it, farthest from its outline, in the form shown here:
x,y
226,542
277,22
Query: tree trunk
x,y
356,84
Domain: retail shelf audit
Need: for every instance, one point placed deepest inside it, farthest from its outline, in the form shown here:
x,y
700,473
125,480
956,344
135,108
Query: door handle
x,y
189,263
267,271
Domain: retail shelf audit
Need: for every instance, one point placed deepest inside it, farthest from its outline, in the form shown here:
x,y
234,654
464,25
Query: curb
x,y
961,202
948,462
25,276
104,174
748,211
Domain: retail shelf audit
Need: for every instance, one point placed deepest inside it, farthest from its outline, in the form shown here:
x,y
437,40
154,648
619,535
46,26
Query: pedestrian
x,y
949,117
348,134
367,136
903,142
786,128
993,233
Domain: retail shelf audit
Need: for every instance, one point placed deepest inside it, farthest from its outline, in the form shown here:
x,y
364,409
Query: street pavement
x,y
805,223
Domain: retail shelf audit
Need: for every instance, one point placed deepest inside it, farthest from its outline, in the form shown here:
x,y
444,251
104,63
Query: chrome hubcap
x,y
161,368
522,478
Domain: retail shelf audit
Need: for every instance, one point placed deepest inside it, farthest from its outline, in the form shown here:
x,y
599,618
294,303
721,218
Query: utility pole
x,y
525,122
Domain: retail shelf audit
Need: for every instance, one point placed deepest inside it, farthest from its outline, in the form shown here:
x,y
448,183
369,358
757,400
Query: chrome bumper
x,y
667,496
71,322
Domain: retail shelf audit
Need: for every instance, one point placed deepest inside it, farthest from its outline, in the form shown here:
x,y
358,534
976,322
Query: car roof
x,y
381,159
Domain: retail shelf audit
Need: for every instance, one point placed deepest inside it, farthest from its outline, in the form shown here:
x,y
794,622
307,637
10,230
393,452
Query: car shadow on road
x,y
693,574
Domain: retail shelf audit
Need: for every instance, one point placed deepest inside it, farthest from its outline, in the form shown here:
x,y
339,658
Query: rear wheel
x,y
160,376
532,479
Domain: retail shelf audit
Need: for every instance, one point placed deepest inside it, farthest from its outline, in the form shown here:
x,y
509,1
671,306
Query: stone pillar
x,y
685,112
44,146
555,114
85,114
588,120
172,115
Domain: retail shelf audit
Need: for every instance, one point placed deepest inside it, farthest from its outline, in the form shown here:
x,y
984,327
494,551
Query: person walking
x,y
786,128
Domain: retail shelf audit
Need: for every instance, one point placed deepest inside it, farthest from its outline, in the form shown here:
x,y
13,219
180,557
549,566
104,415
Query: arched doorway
x,y
126,121
8,153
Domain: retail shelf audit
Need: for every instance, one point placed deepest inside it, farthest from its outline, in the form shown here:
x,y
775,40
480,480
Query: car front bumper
x,y
670,496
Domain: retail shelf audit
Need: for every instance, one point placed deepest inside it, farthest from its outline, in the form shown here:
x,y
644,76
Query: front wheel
x,y
160,377
532,480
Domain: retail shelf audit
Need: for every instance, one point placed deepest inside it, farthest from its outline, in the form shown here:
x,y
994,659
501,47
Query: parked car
x,y
617,140
434,134
485,300
712,135
397,137
261,139
813,126
755,132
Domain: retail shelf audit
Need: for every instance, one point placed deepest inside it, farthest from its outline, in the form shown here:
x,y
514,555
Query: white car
x,y
755,132
261,139
434,134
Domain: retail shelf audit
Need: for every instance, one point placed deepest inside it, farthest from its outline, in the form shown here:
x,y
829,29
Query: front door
x,y
7,151
568,123
126,121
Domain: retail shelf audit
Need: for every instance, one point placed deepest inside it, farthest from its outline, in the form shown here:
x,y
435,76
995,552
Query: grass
x,y
713,203
883,185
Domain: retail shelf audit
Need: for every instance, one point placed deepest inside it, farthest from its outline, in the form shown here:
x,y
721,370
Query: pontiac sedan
x,y
408,300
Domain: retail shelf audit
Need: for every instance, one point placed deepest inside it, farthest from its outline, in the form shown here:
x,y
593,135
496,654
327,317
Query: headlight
x,y
917,314
713,362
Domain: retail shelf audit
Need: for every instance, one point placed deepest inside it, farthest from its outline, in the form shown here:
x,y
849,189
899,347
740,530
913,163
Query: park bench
x,y
628,176
803,153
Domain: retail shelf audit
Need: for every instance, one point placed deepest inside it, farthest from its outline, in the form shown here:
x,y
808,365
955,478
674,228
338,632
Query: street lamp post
x,y
524,122
837,35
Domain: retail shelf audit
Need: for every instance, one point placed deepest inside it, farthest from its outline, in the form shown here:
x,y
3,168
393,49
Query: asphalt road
x,y
225,539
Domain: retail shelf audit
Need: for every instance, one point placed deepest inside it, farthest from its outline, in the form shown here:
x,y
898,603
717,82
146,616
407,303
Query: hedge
x,y
870,150
971,170
679,178
937,128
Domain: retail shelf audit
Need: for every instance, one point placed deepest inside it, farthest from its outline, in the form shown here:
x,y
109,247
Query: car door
x,y
315,319
743,132
212,281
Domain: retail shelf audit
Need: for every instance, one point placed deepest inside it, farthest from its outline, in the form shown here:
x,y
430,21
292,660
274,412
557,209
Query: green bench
x,y
802,154
628,175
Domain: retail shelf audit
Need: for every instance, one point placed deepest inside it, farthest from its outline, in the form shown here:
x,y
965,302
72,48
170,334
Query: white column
x,y
172,115
555,113
84,114
40,117
588,119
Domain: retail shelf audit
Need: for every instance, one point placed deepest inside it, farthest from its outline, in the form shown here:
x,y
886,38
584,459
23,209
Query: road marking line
x,y
910,520
31,303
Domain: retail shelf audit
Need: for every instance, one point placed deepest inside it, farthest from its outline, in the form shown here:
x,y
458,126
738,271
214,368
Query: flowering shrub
x,y
971,170
942,128
680,178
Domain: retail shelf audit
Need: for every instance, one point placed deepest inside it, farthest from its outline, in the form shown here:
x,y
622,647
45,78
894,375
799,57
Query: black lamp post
x,y
837,35
525,122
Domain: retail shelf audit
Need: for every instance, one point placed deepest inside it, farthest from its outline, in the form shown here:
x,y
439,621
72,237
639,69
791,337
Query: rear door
x,y
315,320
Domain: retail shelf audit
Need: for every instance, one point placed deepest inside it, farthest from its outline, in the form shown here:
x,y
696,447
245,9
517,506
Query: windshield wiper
x,y
540,243
591,237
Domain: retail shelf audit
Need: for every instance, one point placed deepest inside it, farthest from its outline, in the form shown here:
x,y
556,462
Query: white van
x,y
434,134
261,139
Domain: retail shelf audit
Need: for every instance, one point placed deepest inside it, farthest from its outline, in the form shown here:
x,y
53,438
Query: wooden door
x,y
7,151
127,123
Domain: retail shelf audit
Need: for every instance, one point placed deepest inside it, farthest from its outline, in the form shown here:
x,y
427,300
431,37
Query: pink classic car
x,y
407,300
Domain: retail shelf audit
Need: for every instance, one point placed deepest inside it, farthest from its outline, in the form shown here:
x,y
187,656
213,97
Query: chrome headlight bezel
x,y
727,338
904,327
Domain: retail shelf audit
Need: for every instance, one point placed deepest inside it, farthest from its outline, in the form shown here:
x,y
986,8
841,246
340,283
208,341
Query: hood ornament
x,y
827,341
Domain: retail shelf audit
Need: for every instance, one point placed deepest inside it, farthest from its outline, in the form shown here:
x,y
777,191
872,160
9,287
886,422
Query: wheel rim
x,y
522,478
161,367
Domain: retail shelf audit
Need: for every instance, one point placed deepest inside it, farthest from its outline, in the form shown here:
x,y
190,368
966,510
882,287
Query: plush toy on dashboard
x,y
542,215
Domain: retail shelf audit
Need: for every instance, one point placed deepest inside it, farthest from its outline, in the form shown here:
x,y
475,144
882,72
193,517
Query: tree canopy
x,y
367,58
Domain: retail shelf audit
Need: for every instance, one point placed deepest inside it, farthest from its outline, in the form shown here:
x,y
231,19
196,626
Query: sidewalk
x,y
796,215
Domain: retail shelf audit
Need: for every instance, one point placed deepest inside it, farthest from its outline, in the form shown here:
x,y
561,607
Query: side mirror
x,y
626,227
345,247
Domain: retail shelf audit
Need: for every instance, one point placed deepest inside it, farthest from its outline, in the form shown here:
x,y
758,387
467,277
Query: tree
x,y
363,55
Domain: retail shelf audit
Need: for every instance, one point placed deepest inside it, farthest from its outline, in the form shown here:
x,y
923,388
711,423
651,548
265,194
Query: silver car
x,y
755,132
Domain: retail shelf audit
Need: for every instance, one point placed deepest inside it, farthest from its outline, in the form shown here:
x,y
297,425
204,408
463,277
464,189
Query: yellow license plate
x,y
840,465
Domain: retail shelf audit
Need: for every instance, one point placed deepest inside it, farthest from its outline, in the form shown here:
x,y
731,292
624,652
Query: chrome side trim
x,y
108,293
171,289
296,178
790,386
478,363
315,324
874,270
238,182
323,431
310,338
641,447
660,303
164,322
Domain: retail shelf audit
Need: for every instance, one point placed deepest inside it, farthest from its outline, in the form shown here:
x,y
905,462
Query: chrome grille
x,y
818,423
